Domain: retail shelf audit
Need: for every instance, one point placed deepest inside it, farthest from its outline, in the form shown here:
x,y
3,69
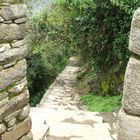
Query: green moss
x,y
11,96
17,120
104,87
6,89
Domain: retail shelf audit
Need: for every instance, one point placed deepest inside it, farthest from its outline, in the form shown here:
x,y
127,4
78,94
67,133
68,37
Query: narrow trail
x,y
58,116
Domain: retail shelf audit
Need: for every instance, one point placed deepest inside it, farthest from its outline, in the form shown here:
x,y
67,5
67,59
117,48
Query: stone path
x,y
58,116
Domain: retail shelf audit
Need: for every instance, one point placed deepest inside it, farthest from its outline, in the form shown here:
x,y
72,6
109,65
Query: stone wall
x,y
129,116
15,124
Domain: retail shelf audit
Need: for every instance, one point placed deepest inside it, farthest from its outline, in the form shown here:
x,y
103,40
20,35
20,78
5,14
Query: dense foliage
x,y
99,30
46,56
96,30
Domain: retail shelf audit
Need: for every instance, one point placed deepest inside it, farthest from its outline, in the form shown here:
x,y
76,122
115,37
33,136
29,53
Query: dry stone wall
x,y
129,116
15,123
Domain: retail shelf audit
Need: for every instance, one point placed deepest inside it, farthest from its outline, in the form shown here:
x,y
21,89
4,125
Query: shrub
x,y
46,55
99,32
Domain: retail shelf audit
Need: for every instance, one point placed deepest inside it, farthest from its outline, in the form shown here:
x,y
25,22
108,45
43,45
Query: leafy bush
x,y
46,55
99,32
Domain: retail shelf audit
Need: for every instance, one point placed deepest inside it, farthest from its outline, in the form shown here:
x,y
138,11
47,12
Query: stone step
x,y
62,115
58,106
99,137
39,128
101,126
77,131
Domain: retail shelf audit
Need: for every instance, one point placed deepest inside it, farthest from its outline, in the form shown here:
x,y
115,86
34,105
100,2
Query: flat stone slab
x,y
61,115
99,137
39,128
60,129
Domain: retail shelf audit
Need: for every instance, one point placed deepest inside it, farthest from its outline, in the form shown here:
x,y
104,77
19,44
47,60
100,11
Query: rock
x,y
3,95
21,20
11,123
25,112
14,104
3,47
9,65
4,3
3,102
11,128
22,81
2,128
1,19
18,88
8,22
20,130
29,136
9,32
12,115
129,127
134,41
13,74
131,99
12,1
13,55
1,68
18,44
12,12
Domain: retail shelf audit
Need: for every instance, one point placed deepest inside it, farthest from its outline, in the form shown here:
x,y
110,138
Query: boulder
x,y
10,32
13,55
14,104
129,127
131,99
134,41
12,12
13,74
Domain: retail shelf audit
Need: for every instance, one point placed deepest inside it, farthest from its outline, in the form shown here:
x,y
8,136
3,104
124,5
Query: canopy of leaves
x,y
98,30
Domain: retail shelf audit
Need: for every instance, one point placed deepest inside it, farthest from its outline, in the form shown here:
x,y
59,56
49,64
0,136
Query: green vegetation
x,y
95,30
46,55
98,30
101,104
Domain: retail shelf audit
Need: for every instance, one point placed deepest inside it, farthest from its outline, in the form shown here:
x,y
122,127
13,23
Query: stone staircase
x,y
58,116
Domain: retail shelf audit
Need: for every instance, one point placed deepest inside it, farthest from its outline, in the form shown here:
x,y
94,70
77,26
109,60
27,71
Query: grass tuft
x,y
101,104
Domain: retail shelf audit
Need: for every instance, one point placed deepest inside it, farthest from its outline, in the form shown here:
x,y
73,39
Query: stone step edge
x,y
60,108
